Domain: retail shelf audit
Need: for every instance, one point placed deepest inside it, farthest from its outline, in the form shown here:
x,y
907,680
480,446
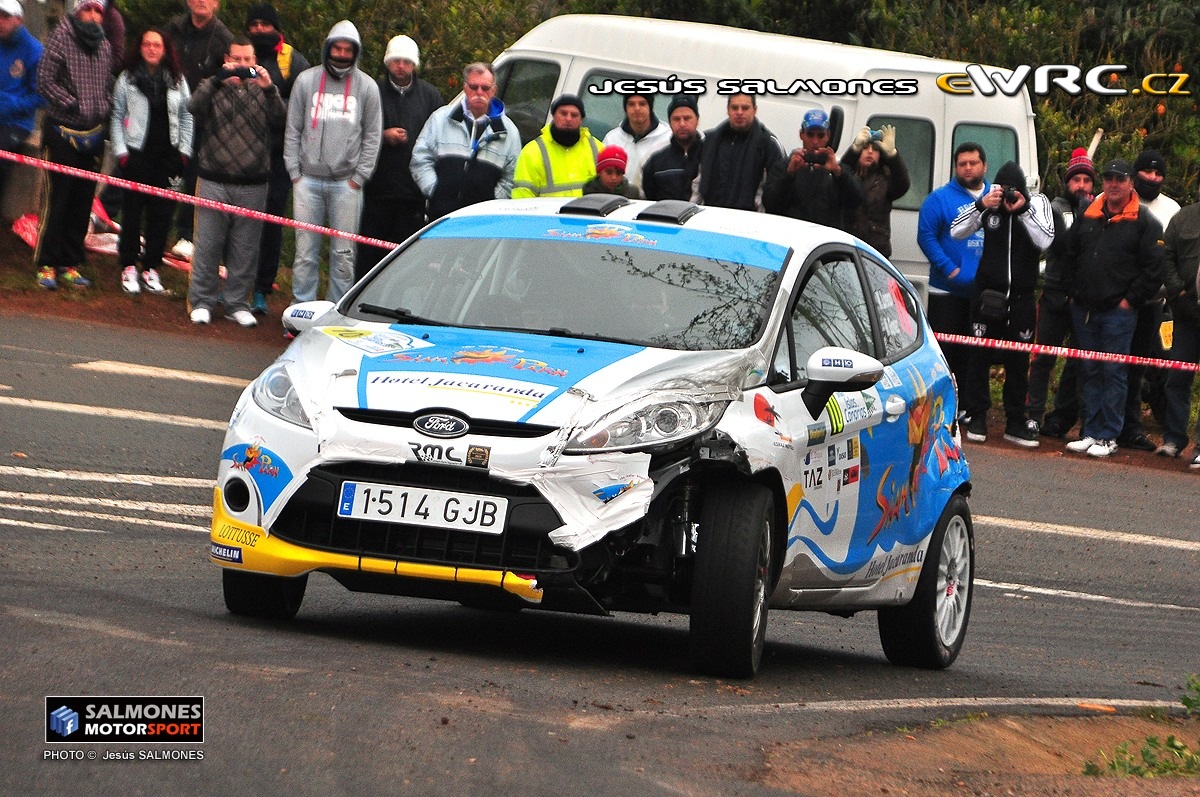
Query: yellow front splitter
x,y
243,546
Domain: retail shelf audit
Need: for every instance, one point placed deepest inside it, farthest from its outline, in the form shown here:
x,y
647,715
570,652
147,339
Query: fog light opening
x,y
237,495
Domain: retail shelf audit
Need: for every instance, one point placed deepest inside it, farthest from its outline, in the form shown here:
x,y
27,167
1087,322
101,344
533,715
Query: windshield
x,y
602,289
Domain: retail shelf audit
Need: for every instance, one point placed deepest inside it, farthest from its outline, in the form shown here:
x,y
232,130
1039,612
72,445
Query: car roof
x,y
800,236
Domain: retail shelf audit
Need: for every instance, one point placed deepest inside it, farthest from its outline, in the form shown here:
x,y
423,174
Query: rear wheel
x,y
265,597
732,580
929,631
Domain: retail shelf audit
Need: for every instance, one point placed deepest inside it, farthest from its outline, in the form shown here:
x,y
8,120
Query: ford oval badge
x,y
440,424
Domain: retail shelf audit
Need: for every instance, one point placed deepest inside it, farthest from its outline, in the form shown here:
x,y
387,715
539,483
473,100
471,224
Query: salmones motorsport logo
x,y
81,719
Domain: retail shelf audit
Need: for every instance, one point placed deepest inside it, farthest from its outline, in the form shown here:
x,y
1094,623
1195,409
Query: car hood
x,y
505,376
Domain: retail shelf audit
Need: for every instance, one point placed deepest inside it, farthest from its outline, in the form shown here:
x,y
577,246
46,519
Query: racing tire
x,y
928,632
263,597
731,581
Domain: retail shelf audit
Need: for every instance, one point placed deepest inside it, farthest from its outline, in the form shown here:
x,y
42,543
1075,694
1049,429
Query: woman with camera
x,y
152,140
884,176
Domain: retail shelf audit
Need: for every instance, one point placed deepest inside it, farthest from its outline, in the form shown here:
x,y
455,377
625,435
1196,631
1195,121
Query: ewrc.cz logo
x,y
1068,78
85,719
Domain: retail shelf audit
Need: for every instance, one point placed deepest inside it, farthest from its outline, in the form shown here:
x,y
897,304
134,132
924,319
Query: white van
x,y
857,86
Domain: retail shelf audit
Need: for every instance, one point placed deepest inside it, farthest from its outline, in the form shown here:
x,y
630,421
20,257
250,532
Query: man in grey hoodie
x,y
331,144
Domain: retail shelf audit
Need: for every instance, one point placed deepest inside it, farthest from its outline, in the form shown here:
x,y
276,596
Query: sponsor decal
x,y
238,535
816,433
850,475
376,341
885,564
478,456
814,478
488,355
256,460
225,553
265,468
526,392
852,448
836,362
146,719
832,456
441,425
836,422
611,491
617,233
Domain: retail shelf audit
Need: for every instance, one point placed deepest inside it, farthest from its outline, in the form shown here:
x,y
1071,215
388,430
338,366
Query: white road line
x,y
135,521
113,412
1082,531
29,524
189,510
5,387
146,479
1018,589
153,372
976,703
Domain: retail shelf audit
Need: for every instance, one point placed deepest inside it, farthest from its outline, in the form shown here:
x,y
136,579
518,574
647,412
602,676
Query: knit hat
x,y
12,7
266,12
1011,175
1150,159
567,99
611,157
1080,163
402,47
682,101
79,5
649,98
815,118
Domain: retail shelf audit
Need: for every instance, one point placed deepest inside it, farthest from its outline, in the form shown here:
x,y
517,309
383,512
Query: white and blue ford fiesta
x,y
598,405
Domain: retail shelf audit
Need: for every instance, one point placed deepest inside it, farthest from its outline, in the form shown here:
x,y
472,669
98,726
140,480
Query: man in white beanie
x,y
393,205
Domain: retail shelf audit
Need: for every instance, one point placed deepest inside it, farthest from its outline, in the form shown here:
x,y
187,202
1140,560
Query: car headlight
x,y
651,422
275,393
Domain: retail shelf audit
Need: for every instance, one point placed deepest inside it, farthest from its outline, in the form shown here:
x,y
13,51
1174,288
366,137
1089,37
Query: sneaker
x,y
201,315
1022,433
1138,442
977,429
152,282
1082,445
1168,449
47,278
1195,463
129,280
73,279
244,318
259,305
183,249
1103,448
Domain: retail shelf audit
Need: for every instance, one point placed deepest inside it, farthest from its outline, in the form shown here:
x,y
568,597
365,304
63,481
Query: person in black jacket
x,y
873,158
811,185
1017,226
393,205
668,173
736,157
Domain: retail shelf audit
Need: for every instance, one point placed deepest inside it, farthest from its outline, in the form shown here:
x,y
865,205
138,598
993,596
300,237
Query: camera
x,y
243,72
877,135
814,158
1011,195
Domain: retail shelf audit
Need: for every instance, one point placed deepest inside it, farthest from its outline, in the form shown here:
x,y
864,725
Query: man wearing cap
x,y
20,53
562,159
736,157
1113,264
811,184
75,77
283,62
640,135
393,205
1053,311
669,172
330,148
1149,172
467,152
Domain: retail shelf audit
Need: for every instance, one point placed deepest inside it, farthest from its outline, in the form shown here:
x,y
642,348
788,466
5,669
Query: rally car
x,y
597,405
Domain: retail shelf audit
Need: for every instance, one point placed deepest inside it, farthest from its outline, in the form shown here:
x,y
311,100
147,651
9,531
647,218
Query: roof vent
x,y
594,205
677,211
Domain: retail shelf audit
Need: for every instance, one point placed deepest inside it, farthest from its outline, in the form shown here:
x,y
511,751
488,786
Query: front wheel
x,y
929,631
732,580
264,597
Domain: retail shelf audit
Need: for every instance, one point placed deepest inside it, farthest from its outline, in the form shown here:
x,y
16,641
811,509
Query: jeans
x,y
1184,348
1103,383
331,203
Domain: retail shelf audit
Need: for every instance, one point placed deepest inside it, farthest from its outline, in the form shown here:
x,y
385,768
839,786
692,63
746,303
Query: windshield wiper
x,y
399,314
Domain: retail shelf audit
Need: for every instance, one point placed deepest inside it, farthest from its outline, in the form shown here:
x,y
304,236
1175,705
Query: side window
x,y
526,88
896,309
915,141
999,144
831,310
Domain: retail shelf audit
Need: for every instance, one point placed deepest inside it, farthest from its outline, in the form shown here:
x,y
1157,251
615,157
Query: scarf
x,y
566,138
88,34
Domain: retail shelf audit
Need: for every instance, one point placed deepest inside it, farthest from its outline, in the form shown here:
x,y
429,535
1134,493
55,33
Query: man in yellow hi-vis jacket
x,y
562,158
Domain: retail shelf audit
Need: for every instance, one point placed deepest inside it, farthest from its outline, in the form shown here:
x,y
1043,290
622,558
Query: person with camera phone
x,y
1017,226
811,184
873,158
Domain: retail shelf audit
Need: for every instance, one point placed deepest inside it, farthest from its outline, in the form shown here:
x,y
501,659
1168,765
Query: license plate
x,y
417,506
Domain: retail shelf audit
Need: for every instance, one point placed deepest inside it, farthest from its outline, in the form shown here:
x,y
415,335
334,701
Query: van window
x,y
526,88
606,111
999,144
915,141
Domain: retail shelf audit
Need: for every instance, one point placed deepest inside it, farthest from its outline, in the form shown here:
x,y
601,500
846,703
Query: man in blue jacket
x,y
19,99
952,263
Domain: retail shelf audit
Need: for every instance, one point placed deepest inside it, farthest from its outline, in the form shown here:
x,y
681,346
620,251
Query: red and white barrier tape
x,y
164,193
1062,351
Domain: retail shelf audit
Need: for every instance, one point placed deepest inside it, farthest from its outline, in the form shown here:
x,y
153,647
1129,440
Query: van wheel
x,y
929,631
731,581
264,597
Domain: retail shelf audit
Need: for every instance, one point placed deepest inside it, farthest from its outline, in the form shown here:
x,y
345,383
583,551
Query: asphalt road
x,y
109,440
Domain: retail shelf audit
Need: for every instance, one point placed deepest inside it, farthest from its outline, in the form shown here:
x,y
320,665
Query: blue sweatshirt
x,y
944,252
19,99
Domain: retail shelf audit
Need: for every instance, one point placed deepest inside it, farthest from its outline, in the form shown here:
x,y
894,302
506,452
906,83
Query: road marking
x,y
850,706
87,624
153,372
144,479
1083,596
136,521
190,510
29,524
113,412
1082,531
